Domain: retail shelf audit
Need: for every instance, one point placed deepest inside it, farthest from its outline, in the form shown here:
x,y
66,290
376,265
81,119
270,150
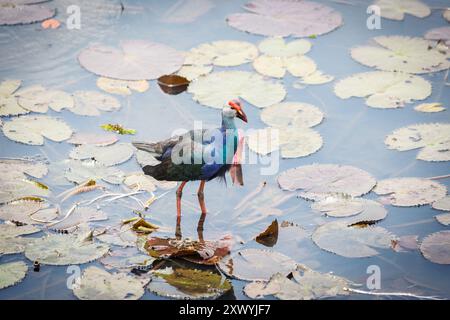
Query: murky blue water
x,y
353,133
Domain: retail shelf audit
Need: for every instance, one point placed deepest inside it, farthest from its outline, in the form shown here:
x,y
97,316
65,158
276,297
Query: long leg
x,y
179,194
201,196
201,221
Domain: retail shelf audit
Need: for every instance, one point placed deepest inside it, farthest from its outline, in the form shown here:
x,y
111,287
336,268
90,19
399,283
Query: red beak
x,y
236,105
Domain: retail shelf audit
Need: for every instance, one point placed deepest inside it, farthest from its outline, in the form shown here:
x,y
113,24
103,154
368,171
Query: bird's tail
x,y
153,148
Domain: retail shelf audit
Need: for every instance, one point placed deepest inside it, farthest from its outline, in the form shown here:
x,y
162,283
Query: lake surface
x,y
353,134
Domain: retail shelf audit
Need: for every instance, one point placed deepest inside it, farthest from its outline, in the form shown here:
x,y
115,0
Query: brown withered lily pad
x,y
201,252
269,237
173,84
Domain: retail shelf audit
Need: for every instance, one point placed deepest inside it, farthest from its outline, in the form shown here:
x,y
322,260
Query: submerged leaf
x,y
183,283
134,60
256,264
284,18
117,128
407,192
98,284
436,247
12,273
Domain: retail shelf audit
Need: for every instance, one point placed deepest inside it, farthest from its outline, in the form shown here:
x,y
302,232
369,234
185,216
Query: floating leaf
x,y
32,129
187,11
98,284
407,192
102,139
216,89
81,215
10,240
39,99
140,181
126,259
298,66
61,249
81,171
122,87
277,47
294,142
19,189
284,18
409,242
446,15
269,236
256,264
90,103
442,204
396,9
224,53
436,247
294,114
434,138
351,241
384,89
430,107
8,101
106,156
306,284
439,34
319,180
183,283
317,77
122,237
402,54
21,211
192,72
146,159
117,128
13,14
443,219
134,60
12,273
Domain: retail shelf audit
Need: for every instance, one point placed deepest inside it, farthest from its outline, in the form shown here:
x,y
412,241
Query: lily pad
x,y
192,72
224,53
8,101
134,60
277,47
351,241
184,283
402,54
286,18
10,240
103,155
140,181
320,180
81,215
216,89
433,138
102,139
21,211
446,15
442,204
91,103
306,284
126,259
122,237
32,129
443,219
39,99
317,77
439,34
98,284
396,9
298,66
61,249
407,192
436,247
81,171
256,264
12,273
296,114
13,14
384,89
122,87
293,142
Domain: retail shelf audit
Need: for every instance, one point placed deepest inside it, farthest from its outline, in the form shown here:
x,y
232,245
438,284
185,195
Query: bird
x,y
219,144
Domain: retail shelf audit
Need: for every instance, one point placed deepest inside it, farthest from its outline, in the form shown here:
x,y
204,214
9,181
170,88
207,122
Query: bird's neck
x,y
228,123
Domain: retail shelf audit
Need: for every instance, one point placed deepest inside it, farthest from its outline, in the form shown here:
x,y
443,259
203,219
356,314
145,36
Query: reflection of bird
x,y
196,155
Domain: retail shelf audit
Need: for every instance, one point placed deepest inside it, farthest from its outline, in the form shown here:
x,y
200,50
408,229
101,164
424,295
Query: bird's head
x,y
237,107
